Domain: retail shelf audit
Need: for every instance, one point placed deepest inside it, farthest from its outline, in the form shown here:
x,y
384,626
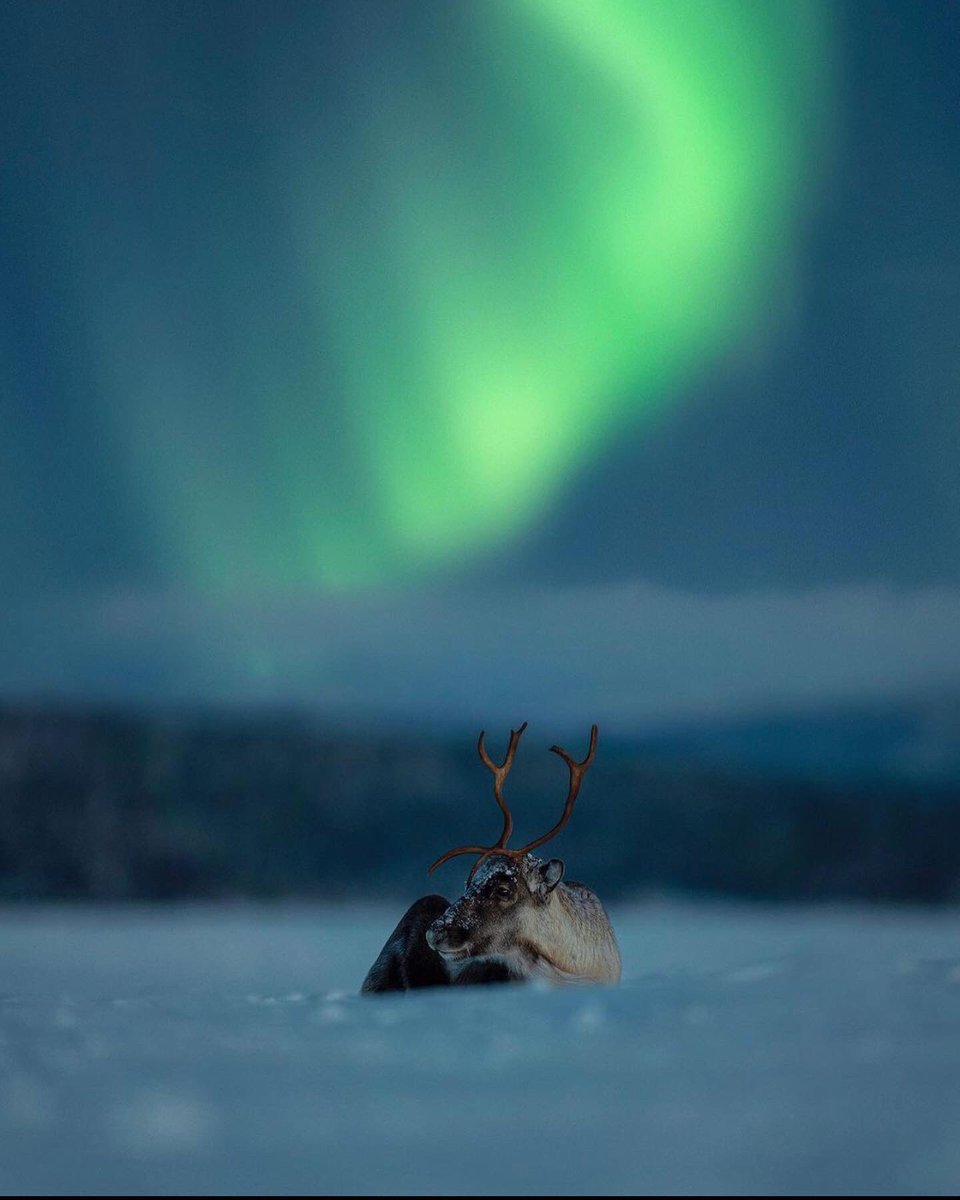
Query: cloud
x,y
628,655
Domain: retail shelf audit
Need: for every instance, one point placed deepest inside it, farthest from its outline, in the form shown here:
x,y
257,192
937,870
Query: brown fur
x,y
543,929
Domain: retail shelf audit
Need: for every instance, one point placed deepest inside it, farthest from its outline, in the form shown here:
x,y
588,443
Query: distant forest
x,y
106,806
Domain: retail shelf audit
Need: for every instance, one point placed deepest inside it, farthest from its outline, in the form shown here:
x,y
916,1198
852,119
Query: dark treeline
x,y
105,806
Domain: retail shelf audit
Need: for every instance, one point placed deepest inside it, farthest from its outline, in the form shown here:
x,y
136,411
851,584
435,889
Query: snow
x,y
226,1049
498,865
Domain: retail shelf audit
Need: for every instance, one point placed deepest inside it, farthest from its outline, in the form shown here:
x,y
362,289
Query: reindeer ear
x,y
550,875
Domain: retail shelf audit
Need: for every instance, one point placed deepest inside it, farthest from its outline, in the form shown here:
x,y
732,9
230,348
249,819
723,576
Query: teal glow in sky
x,y
342,295
557,255
417,297
547,263
493,245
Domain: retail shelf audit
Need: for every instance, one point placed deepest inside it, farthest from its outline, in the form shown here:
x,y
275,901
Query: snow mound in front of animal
x,y
227,1050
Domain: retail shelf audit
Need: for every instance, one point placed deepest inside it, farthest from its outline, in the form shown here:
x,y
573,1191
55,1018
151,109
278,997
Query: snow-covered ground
x,y
226,1050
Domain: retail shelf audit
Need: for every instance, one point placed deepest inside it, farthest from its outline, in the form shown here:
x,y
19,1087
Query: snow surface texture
x,y
227,1050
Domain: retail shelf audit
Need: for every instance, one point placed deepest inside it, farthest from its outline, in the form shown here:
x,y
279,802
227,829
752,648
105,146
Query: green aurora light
x,y
529,241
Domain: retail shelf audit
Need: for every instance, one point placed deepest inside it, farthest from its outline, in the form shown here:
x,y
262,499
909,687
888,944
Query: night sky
x,y
483,361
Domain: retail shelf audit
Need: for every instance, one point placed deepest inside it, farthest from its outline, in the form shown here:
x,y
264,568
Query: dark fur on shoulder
x,y
406,961
487,970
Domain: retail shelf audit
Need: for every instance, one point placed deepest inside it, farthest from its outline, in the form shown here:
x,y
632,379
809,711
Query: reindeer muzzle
x,y
447,940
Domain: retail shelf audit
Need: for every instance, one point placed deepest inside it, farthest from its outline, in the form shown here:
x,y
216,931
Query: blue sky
x,y
784,531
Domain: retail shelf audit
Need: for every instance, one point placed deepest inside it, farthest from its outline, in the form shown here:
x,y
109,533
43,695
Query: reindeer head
x,y
491,916
505,888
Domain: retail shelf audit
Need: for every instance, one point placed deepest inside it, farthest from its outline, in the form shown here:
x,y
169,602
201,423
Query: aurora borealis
x,y
479,361
553,276
349,294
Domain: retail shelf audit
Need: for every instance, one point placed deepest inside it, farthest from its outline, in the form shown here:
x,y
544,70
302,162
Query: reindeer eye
x,y
504,891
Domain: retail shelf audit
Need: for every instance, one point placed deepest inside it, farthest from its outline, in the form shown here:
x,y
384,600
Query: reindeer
x,y
516,920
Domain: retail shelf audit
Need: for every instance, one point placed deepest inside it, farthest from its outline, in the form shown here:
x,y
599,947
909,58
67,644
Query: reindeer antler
x,y
577,772
499,775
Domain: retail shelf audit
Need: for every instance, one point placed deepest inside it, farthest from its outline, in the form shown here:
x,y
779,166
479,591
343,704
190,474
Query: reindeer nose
x,y
433,932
